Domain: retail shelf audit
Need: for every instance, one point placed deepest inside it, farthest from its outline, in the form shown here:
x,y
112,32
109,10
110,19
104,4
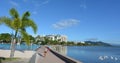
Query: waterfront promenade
x,y
50,58
53,57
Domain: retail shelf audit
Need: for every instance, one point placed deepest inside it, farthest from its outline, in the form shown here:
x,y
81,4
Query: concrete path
x,y
50,58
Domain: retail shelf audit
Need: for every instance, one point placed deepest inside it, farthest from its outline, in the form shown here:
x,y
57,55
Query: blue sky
x,y
78,19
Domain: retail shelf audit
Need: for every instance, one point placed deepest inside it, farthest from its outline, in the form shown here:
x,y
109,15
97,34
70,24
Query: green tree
x,y
55,42
47,40
70,43
32,39
63,43
5,37
19,25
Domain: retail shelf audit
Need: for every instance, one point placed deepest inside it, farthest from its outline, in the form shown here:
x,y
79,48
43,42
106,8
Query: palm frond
x,y
29,23
25,37
16,23
7,21
14,13
1,21
32,25
25,16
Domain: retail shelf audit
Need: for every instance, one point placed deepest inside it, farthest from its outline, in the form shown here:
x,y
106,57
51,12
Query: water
x,y
94,54
19,47
85,54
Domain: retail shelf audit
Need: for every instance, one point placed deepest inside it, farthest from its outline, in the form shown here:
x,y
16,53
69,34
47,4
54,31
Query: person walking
x,y
45,51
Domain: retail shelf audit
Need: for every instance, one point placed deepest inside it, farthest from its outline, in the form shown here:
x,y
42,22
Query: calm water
x,y
86,54
94,54
19,47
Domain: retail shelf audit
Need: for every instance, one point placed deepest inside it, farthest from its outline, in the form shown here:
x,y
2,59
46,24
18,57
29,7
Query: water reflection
x,y
60,49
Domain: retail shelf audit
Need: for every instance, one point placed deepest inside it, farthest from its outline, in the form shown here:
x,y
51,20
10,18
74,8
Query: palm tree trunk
x,y
13,42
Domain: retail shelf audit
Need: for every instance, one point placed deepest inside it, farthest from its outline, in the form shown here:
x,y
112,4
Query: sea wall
x,y
64,57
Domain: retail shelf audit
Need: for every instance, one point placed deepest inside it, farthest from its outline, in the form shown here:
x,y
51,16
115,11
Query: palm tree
x,y
19,25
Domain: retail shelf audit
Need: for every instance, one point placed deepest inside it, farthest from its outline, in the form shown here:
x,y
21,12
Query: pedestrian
x,y
45,51
42,51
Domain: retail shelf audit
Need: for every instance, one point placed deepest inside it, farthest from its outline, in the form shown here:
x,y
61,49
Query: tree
x,y
47,40
70,43
63,43
19,25
32,39
5,37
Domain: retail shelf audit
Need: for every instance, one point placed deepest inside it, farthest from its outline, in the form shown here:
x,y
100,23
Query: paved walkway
x,y
50,58
38,58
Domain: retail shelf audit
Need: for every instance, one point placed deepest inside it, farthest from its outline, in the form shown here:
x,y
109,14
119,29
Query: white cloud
x,y
38,4
65,23
14,3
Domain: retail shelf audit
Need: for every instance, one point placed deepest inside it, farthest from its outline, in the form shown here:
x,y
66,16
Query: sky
x,y
80,20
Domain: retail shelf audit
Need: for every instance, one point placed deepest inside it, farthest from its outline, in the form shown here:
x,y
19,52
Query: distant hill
x,y
97,43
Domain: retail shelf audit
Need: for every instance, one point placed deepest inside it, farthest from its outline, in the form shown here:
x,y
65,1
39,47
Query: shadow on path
x,y
33,58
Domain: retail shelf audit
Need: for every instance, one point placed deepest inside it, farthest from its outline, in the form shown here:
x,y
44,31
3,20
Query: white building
x,y
61,38
40,38
50,37
64,38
